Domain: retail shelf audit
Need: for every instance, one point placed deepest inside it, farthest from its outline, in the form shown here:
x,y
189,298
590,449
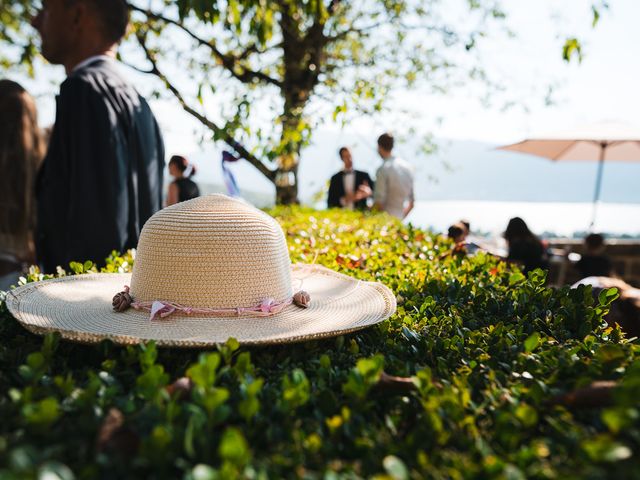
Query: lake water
x,y
560,218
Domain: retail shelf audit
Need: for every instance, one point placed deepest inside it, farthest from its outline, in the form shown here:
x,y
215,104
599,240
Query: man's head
x,y
458,232
385,145
345,156
71,29
594,243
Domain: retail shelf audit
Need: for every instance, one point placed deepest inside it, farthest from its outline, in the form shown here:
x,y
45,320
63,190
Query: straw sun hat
x,y
206,270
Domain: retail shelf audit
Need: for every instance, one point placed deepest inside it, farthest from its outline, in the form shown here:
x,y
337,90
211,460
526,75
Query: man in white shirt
x,y
394,181
349,188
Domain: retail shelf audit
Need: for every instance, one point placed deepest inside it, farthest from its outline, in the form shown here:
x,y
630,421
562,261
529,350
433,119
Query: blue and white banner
x,y
227,175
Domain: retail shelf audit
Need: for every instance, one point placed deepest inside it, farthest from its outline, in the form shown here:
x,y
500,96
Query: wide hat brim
x,y
79,308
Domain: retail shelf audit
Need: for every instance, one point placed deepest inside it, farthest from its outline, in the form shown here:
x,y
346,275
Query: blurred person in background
x,y
394,181
458,232
624,311
102,176
525,248
349,188
182,188
22,148
594,262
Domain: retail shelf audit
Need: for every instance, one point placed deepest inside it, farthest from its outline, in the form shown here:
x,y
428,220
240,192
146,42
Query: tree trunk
x,y
287,195
302,61
286,181
286,177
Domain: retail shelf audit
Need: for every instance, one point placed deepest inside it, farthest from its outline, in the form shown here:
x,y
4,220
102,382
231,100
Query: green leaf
x,y
214,398
365,374
570,49
227,350
160,437
42,413
603,448
596,16
325,361
532,342
296,389
147,354
203,373
151,382
76,267
395,468
618,419
243,364
204,472
610,353
527,415
607,296
233,447
55,471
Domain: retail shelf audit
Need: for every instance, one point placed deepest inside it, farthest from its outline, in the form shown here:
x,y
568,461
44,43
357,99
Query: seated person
x,y
525,248
349,188
458,232
625,311
594,262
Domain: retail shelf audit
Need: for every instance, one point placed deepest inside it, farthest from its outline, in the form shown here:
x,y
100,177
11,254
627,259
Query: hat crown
x,y
211,252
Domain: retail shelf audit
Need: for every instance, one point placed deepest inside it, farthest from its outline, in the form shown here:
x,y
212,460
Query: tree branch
x,y
228,139
231,63
360,31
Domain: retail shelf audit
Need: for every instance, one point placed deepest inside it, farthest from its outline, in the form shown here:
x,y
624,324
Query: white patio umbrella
x,y
602,142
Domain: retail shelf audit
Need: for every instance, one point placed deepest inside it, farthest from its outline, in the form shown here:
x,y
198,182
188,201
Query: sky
x,y
602,87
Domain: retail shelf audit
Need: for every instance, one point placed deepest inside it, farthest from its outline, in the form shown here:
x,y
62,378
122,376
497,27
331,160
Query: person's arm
x,y
380,193
411,202
172,195
408,208
363,189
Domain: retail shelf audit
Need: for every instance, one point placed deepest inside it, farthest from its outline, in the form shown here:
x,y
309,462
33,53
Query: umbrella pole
x,y
596,196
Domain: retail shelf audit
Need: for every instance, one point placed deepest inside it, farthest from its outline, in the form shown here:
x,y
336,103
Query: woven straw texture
x,y
210,252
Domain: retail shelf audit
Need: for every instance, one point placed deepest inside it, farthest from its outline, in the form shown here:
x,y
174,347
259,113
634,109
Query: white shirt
x,y
349,182
90,60
394,186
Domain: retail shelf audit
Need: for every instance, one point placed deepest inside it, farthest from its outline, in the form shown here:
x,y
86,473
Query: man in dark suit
x,y
102,176
349,188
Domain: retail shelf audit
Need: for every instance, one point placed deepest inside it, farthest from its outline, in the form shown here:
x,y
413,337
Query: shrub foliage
x,y
498,365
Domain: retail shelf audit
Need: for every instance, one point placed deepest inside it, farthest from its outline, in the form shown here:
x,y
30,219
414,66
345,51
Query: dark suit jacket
x,y
102,176
336,189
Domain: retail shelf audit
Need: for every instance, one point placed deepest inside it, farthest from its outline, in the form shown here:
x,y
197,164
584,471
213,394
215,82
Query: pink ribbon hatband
x,y
163,309
268,306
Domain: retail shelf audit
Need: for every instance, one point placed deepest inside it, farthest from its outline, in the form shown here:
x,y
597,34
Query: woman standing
x,y
182,188
22,149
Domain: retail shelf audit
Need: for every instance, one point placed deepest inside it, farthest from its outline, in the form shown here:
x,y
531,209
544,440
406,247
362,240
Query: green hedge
x,y
489,352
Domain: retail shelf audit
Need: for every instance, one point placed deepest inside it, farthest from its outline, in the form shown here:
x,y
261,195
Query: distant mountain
x,y
459,170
